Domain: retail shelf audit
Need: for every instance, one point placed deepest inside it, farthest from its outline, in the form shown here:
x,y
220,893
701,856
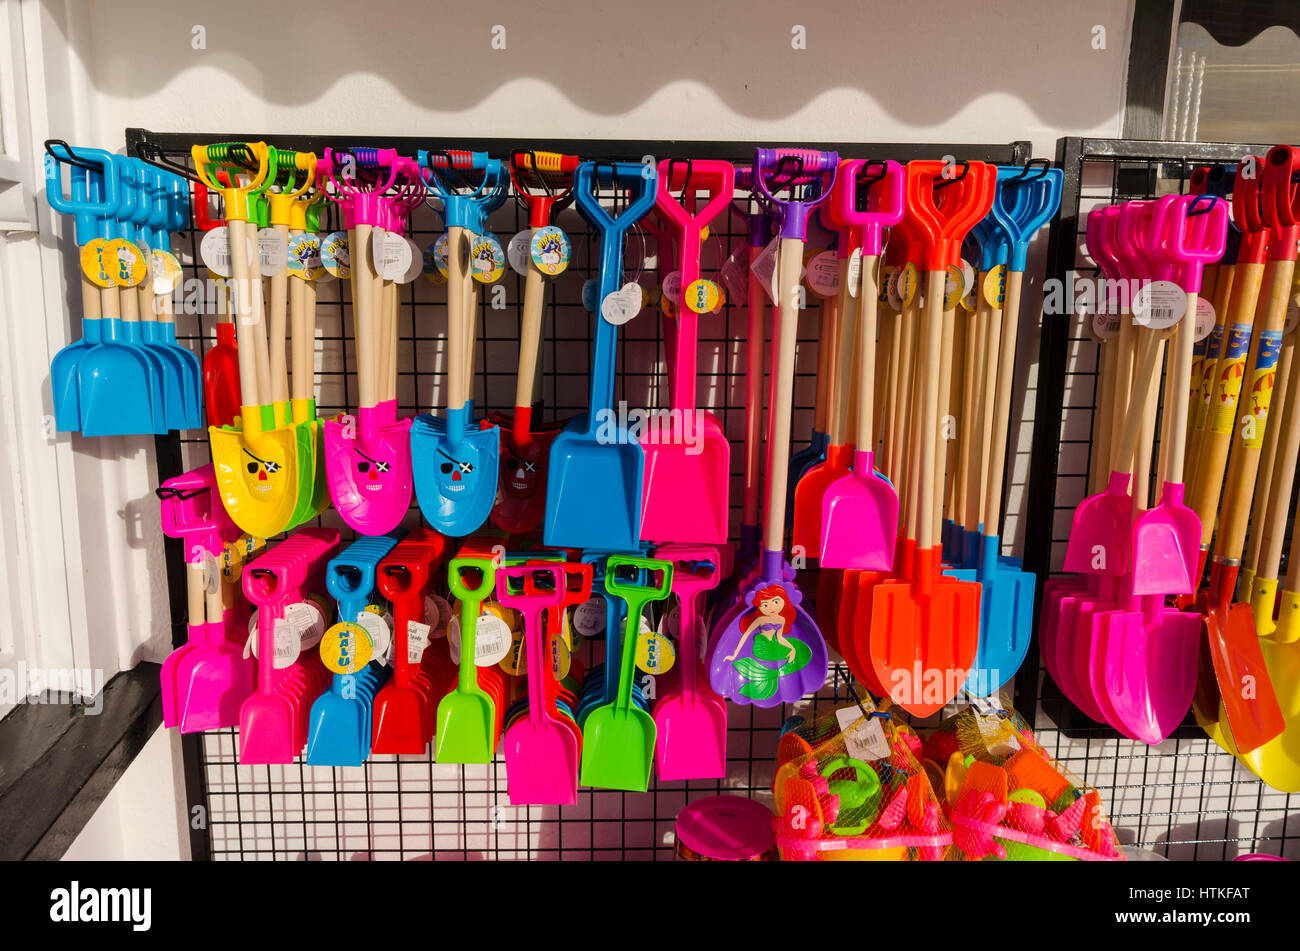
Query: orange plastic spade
x,y
925,630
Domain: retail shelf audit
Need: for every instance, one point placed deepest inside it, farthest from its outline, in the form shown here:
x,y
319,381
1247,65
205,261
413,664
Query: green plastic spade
x,y
618,743
467,716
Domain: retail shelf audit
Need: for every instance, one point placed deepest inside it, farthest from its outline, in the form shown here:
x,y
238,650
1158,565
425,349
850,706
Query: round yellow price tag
x,y
703,297
346,648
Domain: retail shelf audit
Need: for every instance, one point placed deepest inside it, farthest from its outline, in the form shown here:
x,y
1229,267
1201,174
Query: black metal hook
x,y
1044,164
862,190
686,184
459,180
166,492
71,158
159,160
1193,207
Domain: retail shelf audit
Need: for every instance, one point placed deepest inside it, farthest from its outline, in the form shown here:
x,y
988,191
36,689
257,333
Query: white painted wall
x,y
982,70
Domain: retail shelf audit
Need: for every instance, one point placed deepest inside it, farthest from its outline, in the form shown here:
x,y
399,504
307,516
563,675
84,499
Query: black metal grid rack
x,y
1184,798
413,808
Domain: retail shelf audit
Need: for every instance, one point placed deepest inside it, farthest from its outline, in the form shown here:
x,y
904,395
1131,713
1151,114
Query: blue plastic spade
x,y
1007,605
92,198
596,469
339,731
455,462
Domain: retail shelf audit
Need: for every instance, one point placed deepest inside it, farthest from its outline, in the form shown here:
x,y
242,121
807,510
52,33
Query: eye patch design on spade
x,y
364,467
465,467
268,465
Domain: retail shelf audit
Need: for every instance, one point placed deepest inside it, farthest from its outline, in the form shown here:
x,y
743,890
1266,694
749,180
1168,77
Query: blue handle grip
x,y
1021,218
94,196
643,181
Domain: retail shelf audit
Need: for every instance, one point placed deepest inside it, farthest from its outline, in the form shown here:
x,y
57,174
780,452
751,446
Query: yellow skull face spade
x,y
257,479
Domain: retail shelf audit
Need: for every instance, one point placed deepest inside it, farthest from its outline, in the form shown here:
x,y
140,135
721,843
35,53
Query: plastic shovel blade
x,y
170,685
924,635
685,484
337,734
1049,618
398,721
594,491
257,479
521,485
1006,622
542,763
1277,762
116,393
1101,534
1249,701
63,385
213,681
455,473
692,737
859,520
369,473
266,730
618,748
801,462
1150,671
810,496
466,730
221,382
1166,546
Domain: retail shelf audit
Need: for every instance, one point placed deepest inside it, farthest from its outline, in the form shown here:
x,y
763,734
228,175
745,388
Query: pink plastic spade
x,y
541,752
690,718
687,459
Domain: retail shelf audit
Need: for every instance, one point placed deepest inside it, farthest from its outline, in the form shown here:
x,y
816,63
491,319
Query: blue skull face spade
x,y
456,473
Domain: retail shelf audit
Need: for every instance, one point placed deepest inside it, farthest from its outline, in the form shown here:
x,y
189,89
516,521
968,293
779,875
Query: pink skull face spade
x,y
371,472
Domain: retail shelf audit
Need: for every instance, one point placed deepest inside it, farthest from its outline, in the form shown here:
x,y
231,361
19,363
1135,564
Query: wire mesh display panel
x,y
1185,798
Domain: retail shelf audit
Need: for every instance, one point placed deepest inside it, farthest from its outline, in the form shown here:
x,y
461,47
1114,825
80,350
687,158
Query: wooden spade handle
x,y
868,306
1261,529
1212,457
456,307
928,368
972,487
1006,372
261,348
825,353
241,301
1148,362
530,333
299,346
194,591
388,353
1245,459
363,315
948,323
993,353
833,344
1272,525
1184,342
90,305
278,327
789,265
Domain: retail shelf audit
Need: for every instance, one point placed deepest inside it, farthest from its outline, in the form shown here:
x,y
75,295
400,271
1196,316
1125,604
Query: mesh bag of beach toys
x,y
849,787
1006,798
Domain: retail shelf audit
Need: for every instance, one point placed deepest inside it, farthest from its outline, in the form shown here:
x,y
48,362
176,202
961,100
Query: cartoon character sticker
x,y
486,259
776,652
1261,388
550,250
1232,368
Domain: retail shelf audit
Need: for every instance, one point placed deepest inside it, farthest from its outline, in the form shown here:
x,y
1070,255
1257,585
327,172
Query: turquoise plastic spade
x,y
1007,605
339,732
596,469
117,380
92,198
133,213
456,462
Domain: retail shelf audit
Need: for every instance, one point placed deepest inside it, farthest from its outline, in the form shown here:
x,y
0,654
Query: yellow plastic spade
x,y
256,469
